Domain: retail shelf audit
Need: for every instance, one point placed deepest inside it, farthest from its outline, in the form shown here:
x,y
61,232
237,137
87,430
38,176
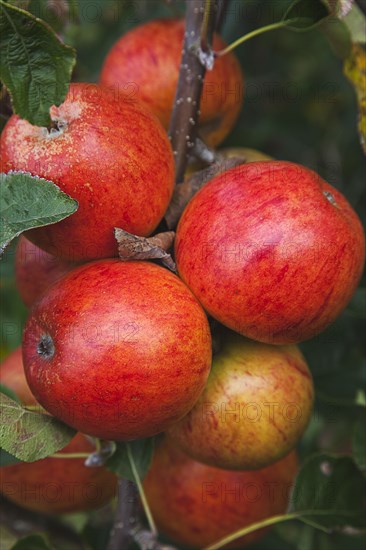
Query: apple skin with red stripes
x,y
107,152
145,62
271,251
36,270
254,409
196,505
117,350
52,485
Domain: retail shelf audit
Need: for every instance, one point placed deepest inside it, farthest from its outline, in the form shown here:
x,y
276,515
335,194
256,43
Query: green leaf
x,y
7,459
306,14
35,65
355,21
332,488
338,35
27,202
359,440
139,451
28,435
360,398
355,70
32,542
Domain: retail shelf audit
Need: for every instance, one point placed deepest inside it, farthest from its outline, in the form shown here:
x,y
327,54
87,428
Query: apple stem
x,y
70,455
141,491
200,26
253,34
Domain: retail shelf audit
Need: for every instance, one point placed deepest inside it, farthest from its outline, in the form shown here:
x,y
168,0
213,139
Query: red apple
x,y
52,485
117,350
254,408
36,270
107,152
146,61
271,250
196,505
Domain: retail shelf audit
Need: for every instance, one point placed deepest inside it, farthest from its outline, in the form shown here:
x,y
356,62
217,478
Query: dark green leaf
x,y
338,36
10,393
28,435
141,452
6,459
27,202
32,542
359,440
305,14
333,489
35,65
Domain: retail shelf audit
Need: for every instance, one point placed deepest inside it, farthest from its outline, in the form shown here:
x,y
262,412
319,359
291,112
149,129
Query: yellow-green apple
x,y
254,409
118,350
197,505
146,61
52,485
271,250
107,152
36,270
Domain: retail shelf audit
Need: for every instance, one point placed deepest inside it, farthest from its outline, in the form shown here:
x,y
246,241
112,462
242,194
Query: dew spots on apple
x,y
46,347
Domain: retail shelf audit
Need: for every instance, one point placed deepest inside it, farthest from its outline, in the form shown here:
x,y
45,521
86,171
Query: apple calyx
x,y
46,346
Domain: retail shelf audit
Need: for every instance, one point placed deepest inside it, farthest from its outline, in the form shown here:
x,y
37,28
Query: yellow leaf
x,y
355,70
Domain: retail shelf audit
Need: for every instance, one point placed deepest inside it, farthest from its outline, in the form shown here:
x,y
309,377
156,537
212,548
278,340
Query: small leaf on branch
x,y
355,70
35,65
30,436
332,489
304,15
27,202
183,192
355,21
141,451
133,247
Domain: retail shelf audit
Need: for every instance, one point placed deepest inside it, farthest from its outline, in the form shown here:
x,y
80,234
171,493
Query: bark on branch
x,y
183,125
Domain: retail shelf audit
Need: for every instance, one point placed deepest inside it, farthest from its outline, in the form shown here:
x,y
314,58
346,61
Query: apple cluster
x,y
267,253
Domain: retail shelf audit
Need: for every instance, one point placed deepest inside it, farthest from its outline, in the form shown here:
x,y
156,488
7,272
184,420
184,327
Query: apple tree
x,y
183,304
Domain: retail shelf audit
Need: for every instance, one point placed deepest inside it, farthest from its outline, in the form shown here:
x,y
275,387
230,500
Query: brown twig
x,y
126,516
186,190
222,8
183,124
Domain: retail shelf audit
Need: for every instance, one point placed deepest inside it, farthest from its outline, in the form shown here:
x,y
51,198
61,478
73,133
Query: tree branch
x,y
183,125
126,516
